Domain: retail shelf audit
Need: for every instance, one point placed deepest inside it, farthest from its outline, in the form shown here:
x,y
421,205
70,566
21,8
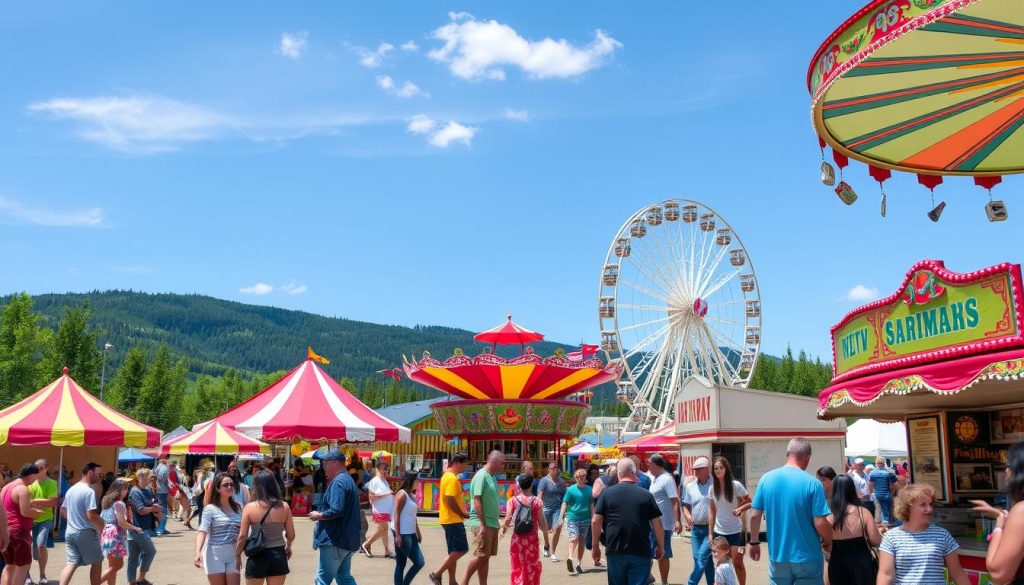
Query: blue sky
x,y
437,163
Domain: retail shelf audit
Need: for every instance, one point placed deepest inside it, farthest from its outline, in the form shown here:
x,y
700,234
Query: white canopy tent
x,y
868,437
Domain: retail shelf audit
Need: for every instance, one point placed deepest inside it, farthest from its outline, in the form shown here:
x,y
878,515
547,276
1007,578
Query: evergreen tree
x,y
174,398
804,377
373,393
202,404
22,338
74,346
151,407
123,391
765,374
786,372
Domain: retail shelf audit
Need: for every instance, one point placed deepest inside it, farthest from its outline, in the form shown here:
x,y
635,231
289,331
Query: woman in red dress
x,y
525,547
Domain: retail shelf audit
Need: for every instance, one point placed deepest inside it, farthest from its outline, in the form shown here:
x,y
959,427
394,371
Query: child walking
x,y
724,572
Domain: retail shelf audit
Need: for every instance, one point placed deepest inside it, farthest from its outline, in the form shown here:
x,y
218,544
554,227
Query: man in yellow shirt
x,y
452,513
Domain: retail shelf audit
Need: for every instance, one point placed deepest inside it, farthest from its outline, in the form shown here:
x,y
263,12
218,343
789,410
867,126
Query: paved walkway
x,y
173,565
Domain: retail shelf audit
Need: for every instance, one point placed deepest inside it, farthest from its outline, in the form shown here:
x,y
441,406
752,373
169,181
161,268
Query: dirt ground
x,y
173,564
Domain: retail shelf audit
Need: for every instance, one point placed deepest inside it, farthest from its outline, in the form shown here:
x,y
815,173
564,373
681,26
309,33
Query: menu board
x,y
926,453
1008,425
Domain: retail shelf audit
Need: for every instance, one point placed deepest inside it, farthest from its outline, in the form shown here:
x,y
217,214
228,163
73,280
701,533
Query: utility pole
x,y
103,371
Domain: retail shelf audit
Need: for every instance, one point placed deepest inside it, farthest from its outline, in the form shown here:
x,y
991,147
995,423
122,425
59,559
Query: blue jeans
x,y
140,552
702,564
628,570
162,526
409,551
884,509
796,573
335,566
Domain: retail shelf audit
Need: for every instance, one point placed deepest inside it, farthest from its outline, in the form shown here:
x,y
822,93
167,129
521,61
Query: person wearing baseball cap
x,y
336,535
860,482
696,511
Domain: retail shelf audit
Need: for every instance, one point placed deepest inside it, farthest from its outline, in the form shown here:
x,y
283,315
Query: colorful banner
x,y
936,314
503,418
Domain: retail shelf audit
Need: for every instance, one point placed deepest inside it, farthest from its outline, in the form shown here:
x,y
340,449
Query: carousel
x,y
525,406
930,87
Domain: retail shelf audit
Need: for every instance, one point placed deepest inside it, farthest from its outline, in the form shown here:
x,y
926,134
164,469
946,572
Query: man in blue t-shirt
x,y
882,483
798,531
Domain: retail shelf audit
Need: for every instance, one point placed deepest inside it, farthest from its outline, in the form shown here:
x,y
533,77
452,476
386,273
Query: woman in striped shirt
x,y
916,552
218,531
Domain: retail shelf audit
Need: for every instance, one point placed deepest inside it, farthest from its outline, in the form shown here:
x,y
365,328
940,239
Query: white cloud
x,y
260,288
371,59
406,89
475,49
420,124
441,136
410,46
861,293
139,124
453,132
293,45
16,212
294,288
517,115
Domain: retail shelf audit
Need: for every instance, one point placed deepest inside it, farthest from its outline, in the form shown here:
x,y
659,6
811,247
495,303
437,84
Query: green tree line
x,y
794,376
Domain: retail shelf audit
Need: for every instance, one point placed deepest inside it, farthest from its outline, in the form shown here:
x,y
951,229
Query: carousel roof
x,y
509,333
929,86
528,376
64,415
308,404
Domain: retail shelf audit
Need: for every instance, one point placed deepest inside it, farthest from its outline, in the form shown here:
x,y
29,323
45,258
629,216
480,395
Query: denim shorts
x,y
455,537
668,545
552,517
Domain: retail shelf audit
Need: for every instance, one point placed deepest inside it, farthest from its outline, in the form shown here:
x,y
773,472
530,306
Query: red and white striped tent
x,y
309,405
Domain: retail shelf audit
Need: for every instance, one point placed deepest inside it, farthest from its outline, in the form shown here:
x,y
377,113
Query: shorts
x,y
485,541
455,537
734,539
19,552
272,562
552,517
667,543
381,517
42,537
83,547
219,559
576,529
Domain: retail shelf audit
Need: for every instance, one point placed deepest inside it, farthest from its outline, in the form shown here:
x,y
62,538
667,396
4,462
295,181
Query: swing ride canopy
x,y
212,438
64,415
509,333
307,404
927,86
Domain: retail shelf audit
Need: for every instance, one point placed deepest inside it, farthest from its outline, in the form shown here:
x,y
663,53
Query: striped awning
x,y
307,404
213,438
661,440
64,415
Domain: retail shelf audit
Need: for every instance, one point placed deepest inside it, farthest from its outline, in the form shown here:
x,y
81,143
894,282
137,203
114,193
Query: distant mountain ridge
x,y
216,335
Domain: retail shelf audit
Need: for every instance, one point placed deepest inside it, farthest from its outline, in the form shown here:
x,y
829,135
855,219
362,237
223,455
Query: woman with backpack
x,y
525,513
406,531
265,514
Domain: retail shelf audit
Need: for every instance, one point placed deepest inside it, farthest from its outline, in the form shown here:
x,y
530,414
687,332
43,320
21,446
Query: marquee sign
x,y
936,314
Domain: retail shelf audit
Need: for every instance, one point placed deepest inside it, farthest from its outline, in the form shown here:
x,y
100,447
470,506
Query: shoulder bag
x,y
254,544
864,533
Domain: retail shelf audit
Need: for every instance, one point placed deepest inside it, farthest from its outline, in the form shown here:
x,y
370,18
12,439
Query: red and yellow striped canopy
x,y
213,438
528,376
663,439
64,415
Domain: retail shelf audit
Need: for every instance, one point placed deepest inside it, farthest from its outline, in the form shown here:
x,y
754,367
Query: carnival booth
x,y
521,406
944,354
308,405
751,428
428,451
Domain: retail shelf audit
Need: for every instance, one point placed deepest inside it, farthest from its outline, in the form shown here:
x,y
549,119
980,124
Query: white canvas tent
x,y
868,437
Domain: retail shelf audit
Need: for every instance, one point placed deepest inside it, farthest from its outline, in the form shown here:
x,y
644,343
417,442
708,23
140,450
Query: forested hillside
x,y
180,359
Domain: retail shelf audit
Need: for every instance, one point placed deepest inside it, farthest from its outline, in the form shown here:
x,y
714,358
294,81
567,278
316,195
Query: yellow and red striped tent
x,y
213,438
64,415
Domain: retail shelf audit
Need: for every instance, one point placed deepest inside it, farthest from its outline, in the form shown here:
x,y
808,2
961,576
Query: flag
x,y
312,355
584,352
392,373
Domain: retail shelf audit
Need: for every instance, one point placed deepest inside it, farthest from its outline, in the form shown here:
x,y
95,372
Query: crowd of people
x,y
626,517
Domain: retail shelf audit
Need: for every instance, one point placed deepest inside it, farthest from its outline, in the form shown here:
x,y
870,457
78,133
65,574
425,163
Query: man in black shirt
x,y
628,515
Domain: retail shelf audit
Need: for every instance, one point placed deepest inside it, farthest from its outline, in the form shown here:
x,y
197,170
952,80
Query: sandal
x,y
365,551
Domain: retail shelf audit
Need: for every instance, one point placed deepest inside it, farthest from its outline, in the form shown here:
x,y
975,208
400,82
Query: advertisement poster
x,y
926,453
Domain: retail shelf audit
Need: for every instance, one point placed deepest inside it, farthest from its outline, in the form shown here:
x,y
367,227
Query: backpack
x,y
523,520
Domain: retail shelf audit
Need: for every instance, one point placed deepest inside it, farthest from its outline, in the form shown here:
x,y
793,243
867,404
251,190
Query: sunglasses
x,y
227,484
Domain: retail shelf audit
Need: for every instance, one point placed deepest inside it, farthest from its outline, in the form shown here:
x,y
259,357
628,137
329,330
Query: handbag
x,y
871,550
254,544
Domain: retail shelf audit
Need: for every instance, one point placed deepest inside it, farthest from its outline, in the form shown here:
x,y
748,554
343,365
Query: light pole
x,y
103,371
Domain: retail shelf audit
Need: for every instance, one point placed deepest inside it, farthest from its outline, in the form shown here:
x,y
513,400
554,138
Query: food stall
x,y
522,406
945,354
751,428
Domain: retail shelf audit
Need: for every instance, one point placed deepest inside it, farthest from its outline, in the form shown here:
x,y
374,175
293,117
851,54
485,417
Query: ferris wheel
x,y
678,297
